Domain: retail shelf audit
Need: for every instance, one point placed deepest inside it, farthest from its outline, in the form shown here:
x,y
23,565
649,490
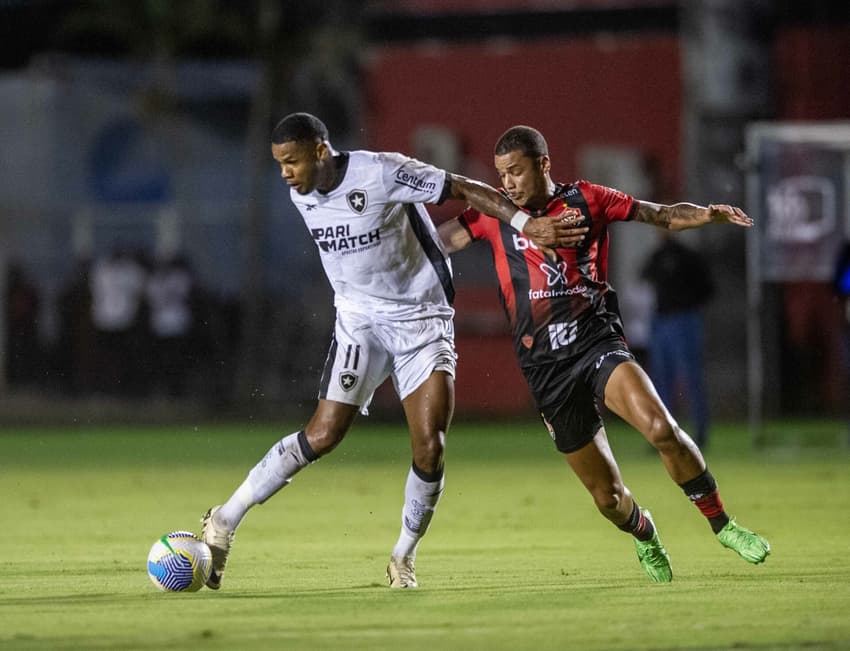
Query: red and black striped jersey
x,y
557,306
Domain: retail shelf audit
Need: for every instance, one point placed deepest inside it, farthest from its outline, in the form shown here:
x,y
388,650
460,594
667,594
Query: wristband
x,y
519,220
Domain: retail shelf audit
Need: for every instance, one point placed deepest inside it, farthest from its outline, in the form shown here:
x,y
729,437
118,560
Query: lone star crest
x,y
357,200
347,380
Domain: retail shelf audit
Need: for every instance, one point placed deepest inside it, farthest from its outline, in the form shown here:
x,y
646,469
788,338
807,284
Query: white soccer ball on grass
x,y
179,562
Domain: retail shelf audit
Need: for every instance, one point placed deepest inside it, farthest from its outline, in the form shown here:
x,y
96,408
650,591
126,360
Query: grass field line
x,y
517,557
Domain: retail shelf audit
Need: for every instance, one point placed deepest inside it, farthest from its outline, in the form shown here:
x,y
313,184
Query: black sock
x,y
637,525
306,450
429,477
702,491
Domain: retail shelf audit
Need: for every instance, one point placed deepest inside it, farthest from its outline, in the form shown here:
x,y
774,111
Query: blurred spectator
x,y
73,357
117,285
683,285
23,350
172,313
841,287
811,360
219,334
637,302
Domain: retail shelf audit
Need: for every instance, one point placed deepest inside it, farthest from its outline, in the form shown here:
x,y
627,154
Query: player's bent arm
x,y
681,216
454,235
486,199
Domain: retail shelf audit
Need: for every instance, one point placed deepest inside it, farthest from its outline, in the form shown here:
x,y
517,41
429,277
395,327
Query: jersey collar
x,y
340,162
549,204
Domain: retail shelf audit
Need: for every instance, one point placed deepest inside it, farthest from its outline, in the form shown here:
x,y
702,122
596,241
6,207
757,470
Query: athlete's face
x,y
525,179
301,164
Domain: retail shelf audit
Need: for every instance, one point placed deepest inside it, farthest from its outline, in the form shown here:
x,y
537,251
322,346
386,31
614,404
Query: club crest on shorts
x,y
347,380
357,200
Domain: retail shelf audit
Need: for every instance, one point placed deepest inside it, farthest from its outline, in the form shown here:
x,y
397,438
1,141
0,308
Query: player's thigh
x,y
423,373
429,409
329,424
595,466
629,393
418,347
357,362
566,404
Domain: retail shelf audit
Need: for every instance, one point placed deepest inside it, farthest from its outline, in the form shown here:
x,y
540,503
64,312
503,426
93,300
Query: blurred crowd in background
x,y
128,326
149,250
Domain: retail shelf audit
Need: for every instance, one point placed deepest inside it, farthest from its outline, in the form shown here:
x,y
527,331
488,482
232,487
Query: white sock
x,y
273,472
420,501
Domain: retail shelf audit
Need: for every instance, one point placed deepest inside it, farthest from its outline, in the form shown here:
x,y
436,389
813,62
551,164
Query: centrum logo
x,y
403,177
339,239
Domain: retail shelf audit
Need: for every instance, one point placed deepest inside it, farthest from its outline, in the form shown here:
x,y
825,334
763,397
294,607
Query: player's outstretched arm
x,y
545,231
681,216
454,235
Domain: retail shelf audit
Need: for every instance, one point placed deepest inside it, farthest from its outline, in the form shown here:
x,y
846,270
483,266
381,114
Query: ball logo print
x,y
179,562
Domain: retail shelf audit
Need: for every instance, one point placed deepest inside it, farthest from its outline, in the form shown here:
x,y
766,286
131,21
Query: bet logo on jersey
x,y
357,201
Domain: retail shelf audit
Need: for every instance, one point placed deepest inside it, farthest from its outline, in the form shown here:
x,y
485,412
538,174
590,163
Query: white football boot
x,y
401,573
219,541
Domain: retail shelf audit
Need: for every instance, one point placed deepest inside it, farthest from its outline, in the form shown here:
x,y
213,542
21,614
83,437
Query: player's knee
x,y
324,438
662,433
428,453
606,501
608,497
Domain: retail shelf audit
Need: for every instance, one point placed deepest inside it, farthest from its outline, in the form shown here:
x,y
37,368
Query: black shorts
x,y
567,391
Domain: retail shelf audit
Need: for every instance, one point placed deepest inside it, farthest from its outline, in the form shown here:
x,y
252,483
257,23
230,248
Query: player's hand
x,y
723,214
556,231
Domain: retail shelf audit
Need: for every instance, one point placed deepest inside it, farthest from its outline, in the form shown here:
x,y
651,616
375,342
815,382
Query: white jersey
x,y
378,245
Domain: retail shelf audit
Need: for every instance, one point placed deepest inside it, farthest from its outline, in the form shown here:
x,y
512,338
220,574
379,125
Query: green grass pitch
x,y
517,556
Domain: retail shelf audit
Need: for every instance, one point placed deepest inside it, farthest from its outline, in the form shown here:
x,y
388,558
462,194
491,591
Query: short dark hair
x,y
299,127
526,139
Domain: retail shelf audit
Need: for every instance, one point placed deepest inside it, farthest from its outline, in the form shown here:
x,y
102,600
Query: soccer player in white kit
x,y
393,295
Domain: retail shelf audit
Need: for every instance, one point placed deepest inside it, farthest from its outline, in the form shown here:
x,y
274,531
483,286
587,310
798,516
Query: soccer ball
x,y
179,562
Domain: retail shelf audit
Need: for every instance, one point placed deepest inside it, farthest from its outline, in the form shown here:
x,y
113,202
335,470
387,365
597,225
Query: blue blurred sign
x,y
126,165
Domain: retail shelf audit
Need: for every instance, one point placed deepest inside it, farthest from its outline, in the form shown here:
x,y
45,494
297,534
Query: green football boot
x,y
653,557
750,546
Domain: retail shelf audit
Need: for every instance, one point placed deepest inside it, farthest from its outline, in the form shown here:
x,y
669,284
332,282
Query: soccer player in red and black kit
x,y
569,341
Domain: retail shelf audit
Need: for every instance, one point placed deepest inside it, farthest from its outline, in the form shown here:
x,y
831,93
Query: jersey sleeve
x,y
407,180
472,221
608,203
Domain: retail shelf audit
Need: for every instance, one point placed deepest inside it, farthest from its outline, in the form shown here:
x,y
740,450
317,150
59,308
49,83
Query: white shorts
x,y
366,351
